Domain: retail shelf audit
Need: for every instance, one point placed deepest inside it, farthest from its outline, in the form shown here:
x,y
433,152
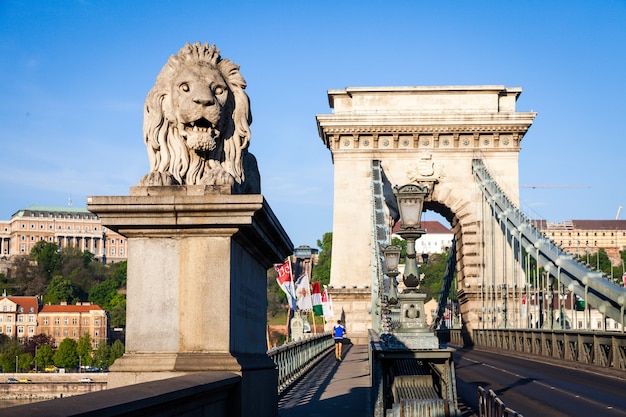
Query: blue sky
x,y
74,75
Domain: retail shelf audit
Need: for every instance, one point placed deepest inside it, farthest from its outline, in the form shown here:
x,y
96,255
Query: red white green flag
x,y
316,298
327,305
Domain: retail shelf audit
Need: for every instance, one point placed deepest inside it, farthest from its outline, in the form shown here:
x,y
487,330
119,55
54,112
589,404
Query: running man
x,y
338,333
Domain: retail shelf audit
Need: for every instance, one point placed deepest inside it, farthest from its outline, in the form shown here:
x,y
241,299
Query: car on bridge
x,y
12,381
24,380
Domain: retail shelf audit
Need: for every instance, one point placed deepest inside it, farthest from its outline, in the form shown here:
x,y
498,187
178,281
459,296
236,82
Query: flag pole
x,y
289,310
314,327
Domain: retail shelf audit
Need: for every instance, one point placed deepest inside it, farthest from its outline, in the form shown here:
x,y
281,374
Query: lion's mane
x,y
169,155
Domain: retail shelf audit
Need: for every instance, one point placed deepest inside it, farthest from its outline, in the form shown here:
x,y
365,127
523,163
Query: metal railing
x,y
602,349
294,359
489,405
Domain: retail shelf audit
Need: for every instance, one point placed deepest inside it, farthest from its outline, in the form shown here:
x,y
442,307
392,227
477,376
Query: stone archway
x,y
426,135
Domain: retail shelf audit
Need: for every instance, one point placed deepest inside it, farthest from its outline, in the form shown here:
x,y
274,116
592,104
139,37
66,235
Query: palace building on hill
x,y
65,226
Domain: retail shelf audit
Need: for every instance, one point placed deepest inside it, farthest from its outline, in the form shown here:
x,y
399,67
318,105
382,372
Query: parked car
x,y
85,380
12,381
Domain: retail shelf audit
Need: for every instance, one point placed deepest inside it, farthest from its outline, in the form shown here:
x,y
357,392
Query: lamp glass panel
x,y
411,212
392,260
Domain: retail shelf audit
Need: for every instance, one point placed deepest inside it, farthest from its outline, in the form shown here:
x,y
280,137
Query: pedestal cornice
x,y
195,210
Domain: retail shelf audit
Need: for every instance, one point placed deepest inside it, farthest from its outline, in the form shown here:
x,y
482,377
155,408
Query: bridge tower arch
x,y
424,135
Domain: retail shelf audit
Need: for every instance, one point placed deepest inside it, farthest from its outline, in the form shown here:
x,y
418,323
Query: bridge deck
x,y
332,388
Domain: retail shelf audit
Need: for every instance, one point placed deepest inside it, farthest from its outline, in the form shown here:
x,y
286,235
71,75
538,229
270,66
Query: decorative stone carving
x,y
197,123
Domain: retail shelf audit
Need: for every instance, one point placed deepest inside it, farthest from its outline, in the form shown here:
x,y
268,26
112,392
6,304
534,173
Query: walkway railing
x,y
602,349
489,405
296,358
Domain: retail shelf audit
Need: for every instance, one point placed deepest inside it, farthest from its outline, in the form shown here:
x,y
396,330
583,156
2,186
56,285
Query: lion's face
x,y
198,98
197,121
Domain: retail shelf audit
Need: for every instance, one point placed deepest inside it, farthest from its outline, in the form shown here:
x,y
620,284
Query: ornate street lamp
x,y
412,331
410,203
392,259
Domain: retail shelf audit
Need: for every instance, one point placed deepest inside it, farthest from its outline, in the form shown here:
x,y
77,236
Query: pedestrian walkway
x,y
332,388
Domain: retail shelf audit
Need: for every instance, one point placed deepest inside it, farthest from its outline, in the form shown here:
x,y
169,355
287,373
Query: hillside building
x,y
65,226
21,317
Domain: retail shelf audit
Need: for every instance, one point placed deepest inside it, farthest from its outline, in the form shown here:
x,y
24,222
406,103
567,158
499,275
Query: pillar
x,y
196,293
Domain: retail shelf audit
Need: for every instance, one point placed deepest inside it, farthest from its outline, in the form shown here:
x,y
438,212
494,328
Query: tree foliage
x,y
66,355
43,357
84,349
321,271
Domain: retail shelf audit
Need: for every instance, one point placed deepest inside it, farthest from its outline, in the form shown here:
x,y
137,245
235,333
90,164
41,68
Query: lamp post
x,y
412,330
392,259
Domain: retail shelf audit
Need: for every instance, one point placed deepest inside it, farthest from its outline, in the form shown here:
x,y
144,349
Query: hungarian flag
x,y
327,305
285,281
303,293
316,299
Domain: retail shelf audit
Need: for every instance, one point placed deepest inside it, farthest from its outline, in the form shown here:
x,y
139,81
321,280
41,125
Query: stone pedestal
x,y
196,301
413,332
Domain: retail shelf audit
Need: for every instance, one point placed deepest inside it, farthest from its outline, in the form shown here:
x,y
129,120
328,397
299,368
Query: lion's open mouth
x,y
200,134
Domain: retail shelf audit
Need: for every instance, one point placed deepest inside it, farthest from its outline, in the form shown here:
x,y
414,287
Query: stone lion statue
x,y
197,123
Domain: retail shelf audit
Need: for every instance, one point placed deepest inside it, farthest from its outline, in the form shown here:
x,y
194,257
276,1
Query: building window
x,y
9,319
57,320
74,321
86,322
31,319
66,320
20,319
96,322
65,333
45,321
31,330
20,329
96,333
73,333
9,331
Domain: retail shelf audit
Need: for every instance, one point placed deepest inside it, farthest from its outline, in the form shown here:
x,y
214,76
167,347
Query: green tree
x,y
46,254
116,351
321,271
434,272
102,356
84,349
25,361
60,290
43,357
117,311
66,355
102,294
10,350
